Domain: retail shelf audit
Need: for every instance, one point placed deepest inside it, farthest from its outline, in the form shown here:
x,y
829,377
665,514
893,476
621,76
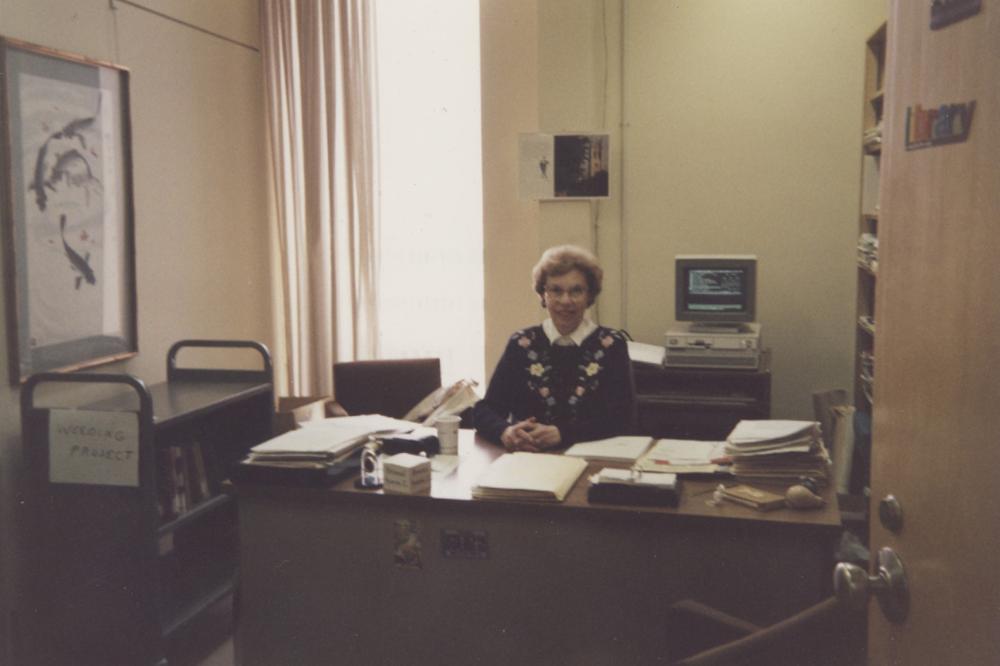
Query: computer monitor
x,y
716,290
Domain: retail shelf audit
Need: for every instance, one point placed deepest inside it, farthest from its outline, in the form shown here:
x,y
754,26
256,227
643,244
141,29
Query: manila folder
x,y
542,477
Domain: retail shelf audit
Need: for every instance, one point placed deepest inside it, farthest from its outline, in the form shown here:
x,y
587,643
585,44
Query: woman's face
x,y
566,300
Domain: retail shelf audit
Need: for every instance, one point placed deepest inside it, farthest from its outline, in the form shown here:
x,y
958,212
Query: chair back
x,y
388,387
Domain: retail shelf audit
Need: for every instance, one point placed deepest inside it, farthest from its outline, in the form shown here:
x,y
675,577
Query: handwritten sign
x,y
97,448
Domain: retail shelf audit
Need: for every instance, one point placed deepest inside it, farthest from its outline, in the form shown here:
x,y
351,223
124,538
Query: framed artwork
x,y
67,211
564,166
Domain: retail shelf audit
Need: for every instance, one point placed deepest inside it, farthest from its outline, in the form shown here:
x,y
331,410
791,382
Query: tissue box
x,y
406,474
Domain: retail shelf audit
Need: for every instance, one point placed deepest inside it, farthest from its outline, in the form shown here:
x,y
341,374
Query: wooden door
x,y
936,437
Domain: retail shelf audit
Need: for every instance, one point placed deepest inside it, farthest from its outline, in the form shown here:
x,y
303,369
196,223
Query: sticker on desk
x,y
408,550
91,447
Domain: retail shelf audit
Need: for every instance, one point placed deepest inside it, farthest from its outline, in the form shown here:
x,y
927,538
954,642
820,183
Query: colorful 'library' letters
x,y
949,123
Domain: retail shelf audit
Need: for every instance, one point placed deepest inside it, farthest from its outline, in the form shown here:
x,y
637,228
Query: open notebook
x,y
542,477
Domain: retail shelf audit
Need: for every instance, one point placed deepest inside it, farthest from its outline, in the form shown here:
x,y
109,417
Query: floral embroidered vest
x,y
563,378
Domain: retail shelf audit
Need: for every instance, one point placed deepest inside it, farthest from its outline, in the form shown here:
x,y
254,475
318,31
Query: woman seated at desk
x,y
564,381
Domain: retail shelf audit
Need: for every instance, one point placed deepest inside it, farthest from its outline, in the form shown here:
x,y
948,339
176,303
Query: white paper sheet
x,y
645,353
91,447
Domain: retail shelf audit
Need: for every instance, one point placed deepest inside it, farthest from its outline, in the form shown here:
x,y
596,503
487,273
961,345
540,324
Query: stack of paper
x,y
775,451
326,440
629,478
542,477
686,456
624,449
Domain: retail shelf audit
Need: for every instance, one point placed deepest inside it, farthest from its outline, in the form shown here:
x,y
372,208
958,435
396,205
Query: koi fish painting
x,y
68,213
69,167
79,264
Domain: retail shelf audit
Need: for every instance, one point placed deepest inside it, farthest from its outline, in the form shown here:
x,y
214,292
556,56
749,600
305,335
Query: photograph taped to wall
x,y
564,166
68,223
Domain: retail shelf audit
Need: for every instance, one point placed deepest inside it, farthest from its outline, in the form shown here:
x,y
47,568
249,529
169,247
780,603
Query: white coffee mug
x,y
447,429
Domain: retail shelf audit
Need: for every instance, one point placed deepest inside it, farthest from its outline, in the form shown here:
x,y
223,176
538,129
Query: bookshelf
x,y
867,239
117,570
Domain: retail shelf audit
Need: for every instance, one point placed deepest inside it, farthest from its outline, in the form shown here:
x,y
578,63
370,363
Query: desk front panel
x,y
323,580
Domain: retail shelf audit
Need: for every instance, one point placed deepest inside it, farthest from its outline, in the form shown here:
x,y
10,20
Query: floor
x,y
208,641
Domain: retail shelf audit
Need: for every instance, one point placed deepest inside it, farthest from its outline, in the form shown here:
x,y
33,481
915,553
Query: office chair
x,y
825,634
388,387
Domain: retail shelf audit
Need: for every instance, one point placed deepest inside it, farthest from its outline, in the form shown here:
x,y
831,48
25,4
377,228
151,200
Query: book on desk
x,y
540,477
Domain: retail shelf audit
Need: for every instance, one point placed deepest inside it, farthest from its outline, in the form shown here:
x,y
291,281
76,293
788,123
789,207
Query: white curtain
x,y
318,77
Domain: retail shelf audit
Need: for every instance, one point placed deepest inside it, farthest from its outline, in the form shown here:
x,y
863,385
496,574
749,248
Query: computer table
x,y
347,576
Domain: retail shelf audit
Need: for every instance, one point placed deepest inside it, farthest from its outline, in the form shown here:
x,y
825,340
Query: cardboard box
x,y
292,410
406,474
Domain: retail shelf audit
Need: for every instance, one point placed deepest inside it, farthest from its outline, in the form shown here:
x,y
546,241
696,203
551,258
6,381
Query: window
x,y
430,300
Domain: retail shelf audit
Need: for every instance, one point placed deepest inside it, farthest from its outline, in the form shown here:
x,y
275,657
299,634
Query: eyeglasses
x,y
574,293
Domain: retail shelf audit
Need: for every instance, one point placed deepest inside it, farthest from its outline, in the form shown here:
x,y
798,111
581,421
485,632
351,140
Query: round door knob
x,y
850,584
853,585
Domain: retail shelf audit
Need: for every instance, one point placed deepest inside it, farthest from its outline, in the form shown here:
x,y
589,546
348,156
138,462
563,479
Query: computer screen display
x,y
716,289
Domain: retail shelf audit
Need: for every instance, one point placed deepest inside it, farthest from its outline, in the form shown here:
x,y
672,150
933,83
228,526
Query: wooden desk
x,y
566,583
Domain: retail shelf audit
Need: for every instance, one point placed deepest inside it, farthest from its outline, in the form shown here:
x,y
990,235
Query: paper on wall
x,y
92,447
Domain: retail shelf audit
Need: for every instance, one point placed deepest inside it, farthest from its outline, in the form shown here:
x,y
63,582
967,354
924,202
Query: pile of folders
x,y
322,452
778,452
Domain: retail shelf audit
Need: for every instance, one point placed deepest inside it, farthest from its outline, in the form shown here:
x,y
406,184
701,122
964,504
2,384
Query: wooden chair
x,y
825,634
388,387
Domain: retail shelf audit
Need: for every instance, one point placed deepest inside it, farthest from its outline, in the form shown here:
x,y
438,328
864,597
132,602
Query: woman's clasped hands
x,y
530,435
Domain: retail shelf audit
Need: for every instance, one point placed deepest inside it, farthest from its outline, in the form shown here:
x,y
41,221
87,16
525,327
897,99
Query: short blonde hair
x,y
562,259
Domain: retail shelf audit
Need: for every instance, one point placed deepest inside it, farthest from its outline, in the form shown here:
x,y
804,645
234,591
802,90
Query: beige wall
x,y
200,209
743,134
509,48
740,135
580,91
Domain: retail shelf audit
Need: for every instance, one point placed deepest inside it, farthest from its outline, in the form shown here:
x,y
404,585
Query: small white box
x,y
407,474
400,489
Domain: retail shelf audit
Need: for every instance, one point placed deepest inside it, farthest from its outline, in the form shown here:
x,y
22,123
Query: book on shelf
x,y
199,477
542,477
181,480
180,485
625,448
165,485
686,456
